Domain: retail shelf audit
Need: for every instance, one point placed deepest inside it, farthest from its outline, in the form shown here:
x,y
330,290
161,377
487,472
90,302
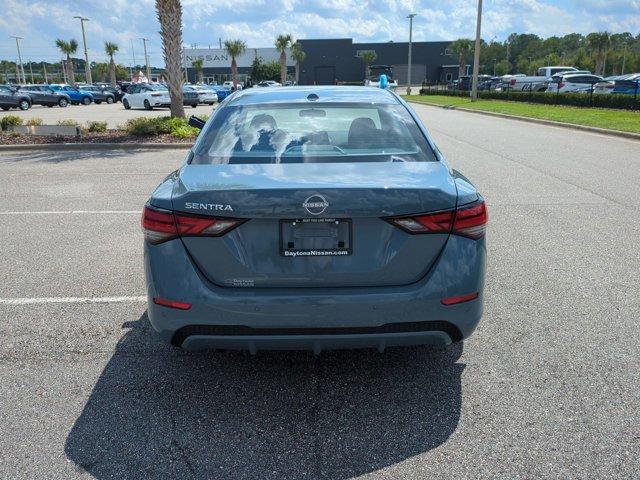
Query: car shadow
x,y
160,413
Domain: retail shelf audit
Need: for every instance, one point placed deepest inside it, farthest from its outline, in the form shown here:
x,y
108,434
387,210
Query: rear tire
x,y
5,108
24,105
125,104
109,100
63,102
86,101
147,105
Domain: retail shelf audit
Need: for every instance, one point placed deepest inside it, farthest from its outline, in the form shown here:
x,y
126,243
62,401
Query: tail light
x,y
512,81
560,85
156,94
468,221
161,225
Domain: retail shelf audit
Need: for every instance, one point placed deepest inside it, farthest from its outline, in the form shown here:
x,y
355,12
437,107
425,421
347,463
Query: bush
x,y
141,126
178,127
34,121
625,102
97,127
10,120
185,132
69,123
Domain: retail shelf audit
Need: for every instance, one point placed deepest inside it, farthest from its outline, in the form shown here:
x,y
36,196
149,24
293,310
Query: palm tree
x,y
234,48
170,17
462,48
282,43
368,57
111,48
298,55
198,64
68,49
598,43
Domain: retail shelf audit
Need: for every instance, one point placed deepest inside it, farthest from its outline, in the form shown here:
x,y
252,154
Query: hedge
x,y
625,102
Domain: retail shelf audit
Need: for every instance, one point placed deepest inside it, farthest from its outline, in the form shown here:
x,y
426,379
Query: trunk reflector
x,y
171,303
460,299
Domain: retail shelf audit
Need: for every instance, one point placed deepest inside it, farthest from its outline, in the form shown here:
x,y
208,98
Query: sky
x,y
258,22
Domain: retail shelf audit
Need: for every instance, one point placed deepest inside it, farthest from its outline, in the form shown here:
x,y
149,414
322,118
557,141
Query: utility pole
x,y
220,42
21,76
87,67
44,70
410,17
624,58
64,70
31,72
146,58
476,55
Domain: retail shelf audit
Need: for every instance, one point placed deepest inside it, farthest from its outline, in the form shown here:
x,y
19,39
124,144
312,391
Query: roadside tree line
x,y
602,53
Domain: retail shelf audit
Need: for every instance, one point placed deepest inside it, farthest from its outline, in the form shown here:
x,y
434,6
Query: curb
x,y
95,146
551,123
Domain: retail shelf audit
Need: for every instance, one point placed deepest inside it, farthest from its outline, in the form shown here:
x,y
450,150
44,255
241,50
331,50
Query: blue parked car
x,y
221,92
76,95
314,218
629,85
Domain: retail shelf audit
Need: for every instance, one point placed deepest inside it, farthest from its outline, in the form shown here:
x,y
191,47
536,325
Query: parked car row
x,y
50,95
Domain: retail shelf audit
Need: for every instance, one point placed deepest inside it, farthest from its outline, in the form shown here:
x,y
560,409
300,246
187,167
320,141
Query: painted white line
x,y
72,212
38,300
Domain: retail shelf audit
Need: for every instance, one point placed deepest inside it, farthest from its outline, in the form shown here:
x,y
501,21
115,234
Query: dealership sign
x,y
219,58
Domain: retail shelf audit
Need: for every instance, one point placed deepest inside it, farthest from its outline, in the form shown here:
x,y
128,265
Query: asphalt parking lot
x,y
114,114
548,386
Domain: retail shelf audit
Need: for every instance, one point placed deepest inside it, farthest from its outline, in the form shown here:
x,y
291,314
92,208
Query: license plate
x,y
315,237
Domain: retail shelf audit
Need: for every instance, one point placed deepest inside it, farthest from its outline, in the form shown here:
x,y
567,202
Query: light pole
x,y
87,67
410,17
21,76
476,55
146,58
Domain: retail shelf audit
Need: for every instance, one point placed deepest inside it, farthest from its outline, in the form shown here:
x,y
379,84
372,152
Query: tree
x,y
598,43
68,49
170,17
234,49
111,48
198,64
298,55
368,57
462,48
282,43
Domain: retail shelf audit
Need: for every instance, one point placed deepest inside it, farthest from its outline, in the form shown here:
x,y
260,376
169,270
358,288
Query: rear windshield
x,y
311,133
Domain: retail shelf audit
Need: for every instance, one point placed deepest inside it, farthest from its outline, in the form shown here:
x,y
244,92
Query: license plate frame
x,y
343,229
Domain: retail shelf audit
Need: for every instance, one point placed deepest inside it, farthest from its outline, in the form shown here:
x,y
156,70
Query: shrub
x,y
141,126
97,127
625,102
70,123
185,132
34,121
10,120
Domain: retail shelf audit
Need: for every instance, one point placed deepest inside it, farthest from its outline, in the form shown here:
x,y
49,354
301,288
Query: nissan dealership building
x,y
330,61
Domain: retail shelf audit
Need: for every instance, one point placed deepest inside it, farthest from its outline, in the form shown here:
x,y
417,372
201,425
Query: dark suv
x,y
44,95
11,98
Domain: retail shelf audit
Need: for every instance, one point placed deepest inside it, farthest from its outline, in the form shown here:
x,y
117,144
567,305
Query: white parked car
x,y
147,95
205,94
228,85
268,83
574,82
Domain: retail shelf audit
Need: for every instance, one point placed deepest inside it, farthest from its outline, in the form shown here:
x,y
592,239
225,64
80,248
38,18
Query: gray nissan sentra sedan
x,y
314,218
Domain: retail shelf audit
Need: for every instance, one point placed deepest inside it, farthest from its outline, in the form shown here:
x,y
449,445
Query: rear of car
x,y
629,85
573,83
314,219
190,96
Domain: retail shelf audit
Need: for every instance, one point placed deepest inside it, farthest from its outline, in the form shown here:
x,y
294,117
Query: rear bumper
x,y
315,318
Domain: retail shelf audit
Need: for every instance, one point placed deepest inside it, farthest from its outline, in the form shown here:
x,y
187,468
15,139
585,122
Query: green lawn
x,y
623,120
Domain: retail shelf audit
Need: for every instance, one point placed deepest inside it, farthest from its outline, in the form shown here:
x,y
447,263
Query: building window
x,y
449,77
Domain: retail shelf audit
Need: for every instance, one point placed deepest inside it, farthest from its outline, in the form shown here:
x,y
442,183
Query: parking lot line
x,y
40,300
70,212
